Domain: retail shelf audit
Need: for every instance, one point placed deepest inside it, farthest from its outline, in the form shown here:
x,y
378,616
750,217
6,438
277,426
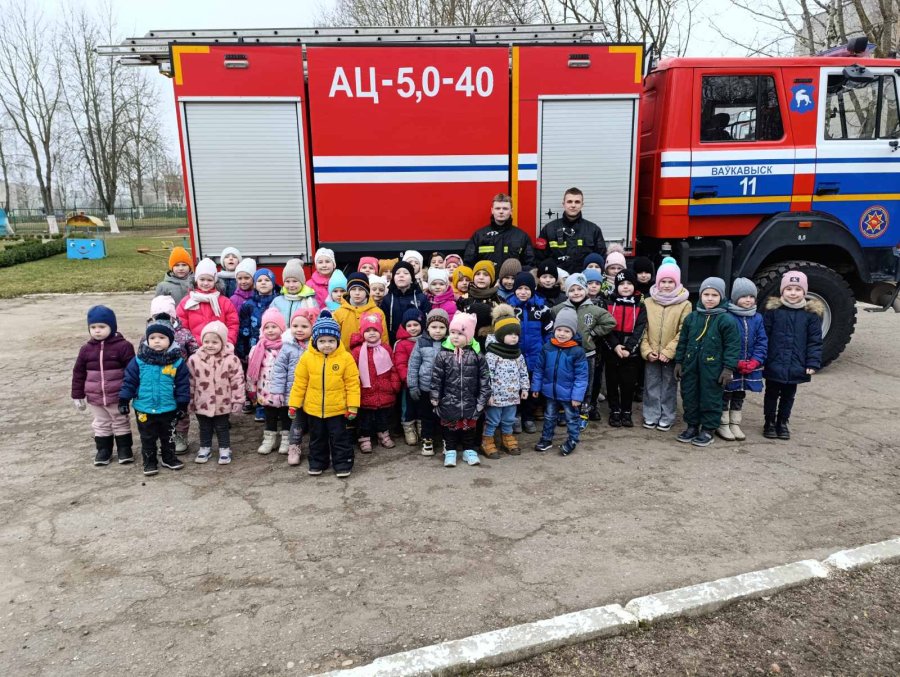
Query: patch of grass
x,y
124,269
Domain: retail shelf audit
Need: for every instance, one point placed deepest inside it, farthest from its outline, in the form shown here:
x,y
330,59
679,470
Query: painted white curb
x,y
865,556
499,647
695,600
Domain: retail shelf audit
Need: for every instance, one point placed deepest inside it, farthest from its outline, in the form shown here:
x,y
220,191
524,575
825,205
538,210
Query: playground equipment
x,y
84,237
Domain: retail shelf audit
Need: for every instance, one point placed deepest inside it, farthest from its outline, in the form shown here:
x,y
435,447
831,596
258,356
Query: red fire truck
x,y
376,140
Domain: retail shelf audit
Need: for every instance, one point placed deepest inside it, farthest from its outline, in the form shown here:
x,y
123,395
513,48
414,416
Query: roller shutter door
x,y
590,144
247,179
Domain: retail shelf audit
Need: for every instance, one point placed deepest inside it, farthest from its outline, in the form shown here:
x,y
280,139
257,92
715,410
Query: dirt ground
x,y
849,624
257,568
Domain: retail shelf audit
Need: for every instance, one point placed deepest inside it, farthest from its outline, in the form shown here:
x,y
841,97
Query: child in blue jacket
x,y
754,344
562,377
536,319
158,382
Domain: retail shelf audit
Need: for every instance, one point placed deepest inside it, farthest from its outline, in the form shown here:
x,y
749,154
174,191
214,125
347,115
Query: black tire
x,y
828,285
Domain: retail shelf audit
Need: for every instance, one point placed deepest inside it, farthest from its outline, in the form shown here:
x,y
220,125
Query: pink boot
x,y
365,445
294,454
384,439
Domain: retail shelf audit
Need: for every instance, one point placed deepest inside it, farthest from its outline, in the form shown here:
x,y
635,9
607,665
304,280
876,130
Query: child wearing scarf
x,y
294,292
260,383
205,304
509,382
666,308
379,381
227,282
337,287
250,315
754,345
705,360
325,264
793,325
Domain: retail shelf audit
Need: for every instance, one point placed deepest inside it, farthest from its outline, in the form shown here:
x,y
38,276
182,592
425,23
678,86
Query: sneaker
x,y
150,468
203,454
703,439
650,426
543,445
626,420
665,427
449,459
342,473
174,464
224,456
312,471
427,447
260,415
688,435
529,427
470,456
247,408
181,445
568,447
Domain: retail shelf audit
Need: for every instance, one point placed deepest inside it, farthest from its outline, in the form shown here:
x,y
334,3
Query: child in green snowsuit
x,y
708,351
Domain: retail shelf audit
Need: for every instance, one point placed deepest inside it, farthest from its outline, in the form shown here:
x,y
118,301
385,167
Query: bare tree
x,y
30,89
144,135
4,169
98,100
431,12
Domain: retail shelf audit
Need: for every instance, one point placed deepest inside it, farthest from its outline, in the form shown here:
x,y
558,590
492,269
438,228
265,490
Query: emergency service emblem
x,y
874,222
803,98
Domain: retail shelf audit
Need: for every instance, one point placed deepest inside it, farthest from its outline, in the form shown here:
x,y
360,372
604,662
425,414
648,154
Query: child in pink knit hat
x,y
260,390
460,389
379,380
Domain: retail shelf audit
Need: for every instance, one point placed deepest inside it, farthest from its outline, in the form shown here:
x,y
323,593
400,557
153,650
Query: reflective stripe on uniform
x,y
486,249
557,245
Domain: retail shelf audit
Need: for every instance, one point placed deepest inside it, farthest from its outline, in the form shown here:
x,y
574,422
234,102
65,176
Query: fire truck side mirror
x,y
856,76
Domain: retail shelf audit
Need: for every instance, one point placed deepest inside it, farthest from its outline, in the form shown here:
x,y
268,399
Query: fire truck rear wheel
x,y
828,287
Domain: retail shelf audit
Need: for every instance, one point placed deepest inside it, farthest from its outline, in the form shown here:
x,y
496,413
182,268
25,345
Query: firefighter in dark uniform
x,y
500,239
571,238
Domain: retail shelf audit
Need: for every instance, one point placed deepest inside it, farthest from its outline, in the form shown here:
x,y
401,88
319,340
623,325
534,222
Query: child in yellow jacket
x,y
326,387
354,305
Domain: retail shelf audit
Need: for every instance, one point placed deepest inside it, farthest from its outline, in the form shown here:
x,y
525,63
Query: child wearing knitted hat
x,y
644,270
460,389
217,390
378,286
667,307
536,320
243,277
708,349
506,277
337,287
294,343
158,381
403,293
548,283
325,264
460,279
205,303
229,260
368,265
379,381
509,382
615,263
354,304
452,262
251,312
562,377
407,335
96,381
326,388
439,293
418,374
793,326
260,390
748,375
177,281
295,293
417,261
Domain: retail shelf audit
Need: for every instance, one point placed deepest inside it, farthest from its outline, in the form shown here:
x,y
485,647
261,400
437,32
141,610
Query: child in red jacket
x,y
204,304
379,380
407,335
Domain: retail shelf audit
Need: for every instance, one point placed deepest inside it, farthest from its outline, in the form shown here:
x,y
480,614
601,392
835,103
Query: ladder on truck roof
x,y
153,48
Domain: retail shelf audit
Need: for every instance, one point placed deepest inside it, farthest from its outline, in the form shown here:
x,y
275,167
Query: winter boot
x,y
769,429
724,429
169,459
517,425
489,447
703,438
294,454
124,444
781,429
150,466
409,433
427,447
736,417
181,445
615,419
269,442
511,444
384,439
419,429
285,443
365,445
625,418
104,450
688,435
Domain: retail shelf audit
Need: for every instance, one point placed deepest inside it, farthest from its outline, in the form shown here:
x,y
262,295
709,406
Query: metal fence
x,y
129,219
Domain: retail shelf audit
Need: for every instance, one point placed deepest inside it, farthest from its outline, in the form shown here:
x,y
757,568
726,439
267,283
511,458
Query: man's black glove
x,y
123,407
725,377
181,411
677,371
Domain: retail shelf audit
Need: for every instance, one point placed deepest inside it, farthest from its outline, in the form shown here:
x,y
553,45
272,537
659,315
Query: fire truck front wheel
x,y
828,287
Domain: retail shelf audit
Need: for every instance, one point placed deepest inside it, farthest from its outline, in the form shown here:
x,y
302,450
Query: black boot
x,y
123,448
104,450
625,418
169,459
782,430
688,434
615,419
150,467
769,429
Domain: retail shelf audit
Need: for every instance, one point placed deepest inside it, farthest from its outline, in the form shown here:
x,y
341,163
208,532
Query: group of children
x,y
474,354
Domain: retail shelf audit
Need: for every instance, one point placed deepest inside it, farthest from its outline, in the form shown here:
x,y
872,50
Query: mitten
x,y
350,415
181,410
677,371
80,405
753,365
123,407
725,377
292,413
251,395
415,394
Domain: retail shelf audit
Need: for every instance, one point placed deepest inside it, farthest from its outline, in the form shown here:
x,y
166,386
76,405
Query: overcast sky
x,y
137,18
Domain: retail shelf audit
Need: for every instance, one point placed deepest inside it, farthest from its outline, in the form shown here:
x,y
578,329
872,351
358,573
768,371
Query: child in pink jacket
x,y
325,264
439,291
260,382
217,390
204,304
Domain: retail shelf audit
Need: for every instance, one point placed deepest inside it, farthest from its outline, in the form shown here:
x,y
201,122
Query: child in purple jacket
x,y
96,380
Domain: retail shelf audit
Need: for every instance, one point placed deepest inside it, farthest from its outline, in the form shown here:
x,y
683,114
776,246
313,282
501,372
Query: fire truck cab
x,y
750,166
